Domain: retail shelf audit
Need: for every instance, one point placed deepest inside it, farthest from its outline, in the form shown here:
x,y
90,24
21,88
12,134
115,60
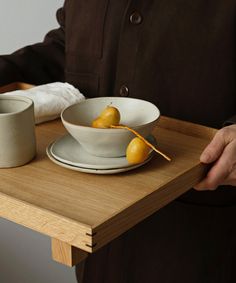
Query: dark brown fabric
x,y
230,121
181,56
37,64
179,244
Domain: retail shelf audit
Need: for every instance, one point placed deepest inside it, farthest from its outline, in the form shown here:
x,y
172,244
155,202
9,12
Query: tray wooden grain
x,y
15,86
87,211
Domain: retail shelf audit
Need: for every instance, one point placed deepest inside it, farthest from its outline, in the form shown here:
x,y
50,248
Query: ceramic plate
x,y
69,151
90,170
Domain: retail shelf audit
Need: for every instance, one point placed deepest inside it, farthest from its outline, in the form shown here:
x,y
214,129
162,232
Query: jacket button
x,y
135,18
124,91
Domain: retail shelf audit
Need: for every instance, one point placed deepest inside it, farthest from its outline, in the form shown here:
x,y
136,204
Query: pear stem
x,y
142,138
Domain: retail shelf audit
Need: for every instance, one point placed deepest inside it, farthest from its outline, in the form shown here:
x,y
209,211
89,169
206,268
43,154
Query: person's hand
x,y
221,152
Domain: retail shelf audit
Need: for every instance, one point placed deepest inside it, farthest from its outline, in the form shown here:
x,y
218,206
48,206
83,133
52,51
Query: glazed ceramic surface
x,y
95,165
69,151
17,131
138,114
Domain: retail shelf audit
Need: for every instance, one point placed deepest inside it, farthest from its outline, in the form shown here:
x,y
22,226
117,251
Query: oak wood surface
x,y
86,210
66,254
15,86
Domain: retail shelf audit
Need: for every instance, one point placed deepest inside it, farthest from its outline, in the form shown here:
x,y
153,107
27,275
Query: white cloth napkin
x,y
50,99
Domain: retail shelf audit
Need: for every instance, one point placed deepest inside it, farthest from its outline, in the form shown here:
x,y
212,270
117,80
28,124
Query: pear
x,y
100,123
137,151
108,117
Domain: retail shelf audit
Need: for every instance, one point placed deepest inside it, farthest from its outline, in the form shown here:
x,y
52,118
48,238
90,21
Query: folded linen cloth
x,y
50,99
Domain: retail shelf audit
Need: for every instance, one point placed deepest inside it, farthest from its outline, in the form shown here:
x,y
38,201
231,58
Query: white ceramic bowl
x,y
138,114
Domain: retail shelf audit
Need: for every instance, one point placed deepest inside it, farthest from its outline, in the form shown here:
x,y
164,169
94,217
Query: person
x,y
179,55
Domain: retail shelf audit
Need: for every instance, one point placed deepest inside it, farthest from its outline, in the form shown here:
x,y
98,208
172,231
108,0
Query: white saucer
x,y
68,153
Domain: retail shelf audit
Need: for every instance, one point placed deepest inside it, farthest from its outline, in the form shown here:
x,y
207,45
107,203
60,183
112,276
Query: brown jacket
x,y
179,54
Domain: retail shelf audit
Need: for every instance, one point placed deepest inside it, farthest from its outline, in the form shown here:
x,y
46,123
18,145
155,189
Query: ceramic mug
x,y
17,131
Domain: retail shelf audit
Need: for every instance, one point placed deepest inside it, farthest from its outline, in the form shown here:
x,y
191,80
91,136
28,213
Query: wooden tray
x,y
15,86
85,211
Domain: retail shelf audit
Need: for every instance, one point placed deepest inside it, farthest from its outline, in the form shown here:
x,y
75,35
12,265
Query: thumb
x,y
214,149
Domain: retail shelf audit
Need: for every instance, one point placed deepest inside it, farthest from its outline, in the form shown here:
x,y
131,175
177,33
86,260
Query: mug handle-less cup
x,y
17,131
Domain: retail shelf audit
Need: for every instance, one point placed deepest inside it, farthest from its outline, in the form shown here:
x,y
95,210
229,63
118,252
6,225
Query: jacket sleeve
x,y
230,121
39,63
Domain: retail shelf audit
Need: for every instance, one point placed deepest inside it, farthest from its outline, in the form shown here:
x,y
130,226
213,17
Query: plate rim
x,y
89,166
90,170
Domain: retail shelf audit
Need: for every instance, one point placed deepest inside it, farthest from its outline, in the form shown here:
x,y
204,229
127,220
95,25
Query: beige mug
x,y
17,131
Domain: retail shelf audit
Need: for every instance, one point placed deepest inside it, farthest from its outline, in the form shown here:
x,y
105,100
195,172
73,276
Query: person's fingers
x,y
212,180
221,171
215,148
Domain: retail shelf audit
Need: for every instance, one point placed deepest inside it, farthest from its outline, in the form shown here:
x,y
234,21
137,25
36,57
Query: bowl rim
x,y
64,121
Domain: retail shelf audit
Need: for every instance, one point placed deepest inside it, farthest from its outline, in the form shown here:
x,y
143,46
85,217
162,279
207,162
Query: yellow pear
x,y
109,116
137,151
100,123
